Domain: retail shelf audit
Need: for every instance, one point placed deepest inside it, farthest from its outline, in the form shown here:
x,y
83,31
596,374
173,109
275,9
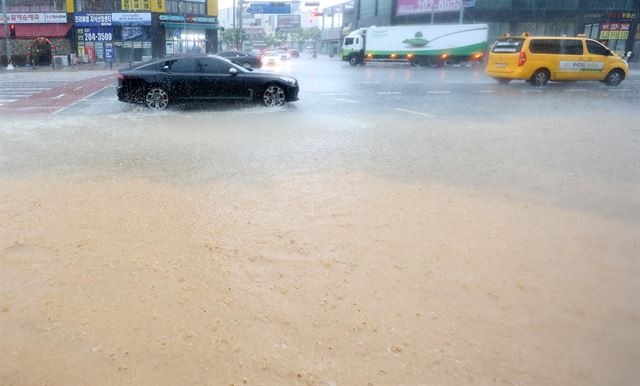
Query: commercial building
x,y
596,18
113,30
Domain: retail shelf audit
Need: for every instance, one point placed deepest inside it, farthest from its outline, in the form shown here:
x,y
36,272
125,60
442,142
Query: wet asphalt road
x,y
574,145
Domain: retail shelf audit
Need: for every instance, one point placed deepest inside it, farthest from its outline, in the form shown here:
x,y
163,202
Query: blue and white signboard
x,y
131,18
98,34
92,19
269,8
108,52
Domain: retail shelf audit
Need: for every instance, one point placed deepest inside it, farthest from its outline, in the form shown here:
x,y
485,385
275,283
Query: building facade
x,y
596,18
113,30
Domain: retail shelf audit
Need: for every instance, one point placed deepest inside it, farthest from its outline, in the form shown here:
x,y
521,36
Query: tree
x,y
299,36
312,34
232,37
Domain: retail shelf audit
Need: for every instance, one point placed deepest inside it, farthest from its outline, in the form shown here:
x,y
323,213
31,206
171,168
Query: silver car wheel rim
x,y
615,78
274,96
157,99
541,77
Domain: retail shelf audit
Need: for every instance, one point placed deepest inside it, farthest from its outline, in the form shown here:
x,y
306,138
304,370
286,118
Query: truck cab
x,y
353,47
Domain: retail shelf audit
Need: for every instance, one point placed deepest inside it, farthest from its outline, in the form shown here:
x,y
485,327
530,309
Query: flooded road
x,y
321,245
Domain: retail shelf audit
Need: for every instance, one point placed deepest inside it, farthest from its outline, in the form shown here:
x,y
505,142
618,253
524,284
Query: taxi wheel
x,y
540,77
614,77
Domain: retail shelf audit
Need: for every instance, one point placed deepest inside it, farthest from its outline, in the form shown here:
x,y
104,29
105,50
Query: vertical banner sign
x,y
614,31
126,5
624,31
604,31
70,7
212,7
159,6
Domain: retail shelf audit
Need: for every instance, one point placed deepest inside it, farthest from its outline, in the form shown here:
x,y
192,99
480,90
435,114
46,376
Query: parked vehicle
x,y
159,83
417,44
541,59
294,53
242,58
284,55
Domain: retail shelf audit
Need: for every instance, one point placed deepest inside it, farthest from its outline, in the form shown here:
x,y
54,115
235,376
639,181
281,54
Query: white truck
x,y
430,44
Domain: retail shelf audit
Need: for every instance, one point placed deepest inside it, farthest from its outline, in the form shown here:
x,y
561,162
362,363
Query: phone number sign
x,y
98,34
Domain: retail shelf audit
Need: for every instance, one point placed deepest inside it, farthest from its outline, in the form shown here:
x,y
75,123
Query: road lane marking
x,y
59,96
25,88
389,93
485,91
78,88
346,100
438,92
7,100
80,100
12,95
530,90
619,89
415,112
576,90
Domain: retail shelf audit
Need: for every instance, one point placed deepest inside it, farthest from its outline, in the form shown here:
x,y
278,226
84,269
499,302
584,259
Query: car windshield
x,y
320,192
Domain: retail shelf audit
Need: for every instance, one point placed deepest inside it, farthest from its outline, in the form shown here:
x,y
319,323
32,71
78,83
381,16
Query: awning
x,y
193,26
46,30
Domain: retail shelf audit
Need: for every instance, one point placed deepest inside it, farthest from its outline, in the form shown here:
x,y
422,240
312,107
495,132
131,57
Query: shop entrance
x,y
185,41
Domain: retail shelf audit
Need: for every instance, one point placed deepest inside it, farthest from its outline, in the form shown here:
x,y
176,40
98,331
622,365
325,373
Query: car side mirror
x,y
233,71
609,53
628,54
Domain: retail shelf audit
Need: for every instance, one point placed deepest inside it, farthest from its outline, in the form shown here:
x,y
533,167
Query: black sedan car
x,y
241,58
188,78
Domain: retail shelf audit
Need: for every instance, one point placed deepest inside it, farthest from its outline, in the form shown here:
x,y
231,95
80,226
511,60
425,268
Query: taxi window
x,y
508,45
596,48
571,47
544,46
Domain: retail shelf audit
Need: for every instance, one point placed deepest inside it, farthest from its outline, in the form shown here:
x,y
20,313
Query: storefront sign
x,y
604,31
138,18
614,31
417,7
624,31
158,6
136,5
92,19
98,34
188,19
131,32
34,18
108,52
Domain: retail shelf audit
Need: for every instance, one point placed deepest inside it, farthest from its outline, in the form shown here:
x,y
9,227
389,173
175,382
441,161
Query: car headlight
x,y
289,79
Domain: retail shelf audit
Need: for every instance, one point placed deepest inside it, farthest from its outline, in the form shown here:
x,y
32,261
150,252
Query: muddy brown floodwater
x,y
323,279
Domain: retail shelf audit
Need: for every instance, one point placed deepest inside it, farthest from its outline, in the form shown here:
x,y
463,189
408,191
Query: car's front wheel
x,y
273,96
157,99
614,78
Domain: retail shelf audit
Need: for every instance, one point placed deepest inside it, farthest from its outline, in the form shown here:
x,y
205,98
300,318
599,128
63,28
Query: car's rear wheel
x,y
273,96
540,77
157,99
614,77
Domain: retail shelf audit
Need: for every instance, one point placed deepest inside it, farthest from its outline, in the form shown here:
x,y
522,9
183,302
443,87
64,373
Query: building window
x,y
367,8
36,6
185,7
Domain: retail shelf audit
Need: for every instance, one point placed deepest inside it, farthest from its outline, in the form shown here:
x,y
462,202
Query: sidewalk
x,y
76,67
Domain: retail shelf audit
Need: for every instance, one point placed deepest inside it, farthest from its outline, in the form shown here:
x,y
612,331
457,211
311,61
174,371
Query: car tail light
x,y
409,56
522,59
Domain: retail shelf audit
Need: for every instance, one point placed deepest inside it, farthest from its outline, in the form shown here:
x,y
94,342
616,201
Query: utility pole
x,y
240,25
5,26
461,12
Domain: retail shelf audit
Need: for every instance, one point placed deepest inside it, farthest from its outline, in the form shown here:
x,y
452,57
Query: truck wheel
x,y
353,60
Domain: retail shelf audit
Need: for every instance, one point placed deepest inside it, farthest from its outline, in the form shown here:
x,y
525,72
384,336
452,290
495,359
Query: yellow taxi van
x,y
541,59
